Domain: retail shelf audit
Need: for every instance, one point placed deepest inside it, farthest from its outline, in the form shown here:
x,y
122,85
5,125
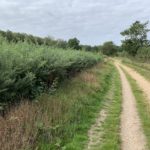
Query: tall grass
x,y
28,69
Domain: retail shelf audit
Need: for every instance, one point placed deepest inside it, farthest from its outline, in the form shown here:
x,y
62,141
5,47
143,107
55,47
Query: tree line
x,y
72,43
135,43
108,48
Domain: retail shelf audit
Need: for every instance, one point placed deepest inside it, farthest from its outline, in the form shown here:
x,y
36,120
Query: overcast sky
x,y
91,21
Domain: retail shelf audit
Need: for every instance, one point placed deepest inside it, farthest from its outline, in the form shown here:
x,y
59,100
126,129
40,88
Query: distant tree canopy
x,y
74,43
22,37
109,48
48,41
135,37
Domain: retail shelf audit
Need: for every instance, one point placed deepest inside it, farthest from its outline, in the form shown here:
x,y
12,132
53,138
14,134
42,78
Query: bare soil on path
x,y
131,132
132,136
141,81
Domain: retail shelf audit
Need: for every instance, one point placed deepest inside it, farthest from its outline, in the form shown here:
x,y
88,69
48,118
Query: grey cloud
x,y
92,21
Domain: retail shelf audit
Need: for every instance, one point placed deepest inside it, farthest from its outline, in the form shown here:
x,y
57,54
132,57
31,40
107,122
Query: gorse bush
x,y
28,69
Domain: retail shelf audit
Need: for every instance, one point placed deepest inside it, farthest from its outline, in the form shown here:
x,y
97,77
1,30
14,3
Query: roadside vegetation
x,y
136,43
60,120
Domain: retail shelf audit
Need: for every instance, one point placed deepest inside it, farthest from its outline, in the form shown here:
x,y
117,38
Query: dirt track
x,y
131,132
141,81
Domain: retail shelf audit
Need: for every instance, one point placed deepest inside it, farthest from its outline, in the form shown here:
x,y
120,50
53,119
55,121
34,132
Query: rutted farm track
x,y
132,135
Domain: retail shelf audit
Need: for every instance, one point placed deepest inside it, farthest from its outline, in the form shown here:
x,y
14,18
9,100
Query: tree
x,y
2,33
9,36
109,48
39,40
135,37
74,43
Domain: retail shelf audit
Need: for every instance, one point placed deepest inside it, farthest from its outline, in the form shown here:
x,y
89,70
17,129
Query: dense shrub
x,y
109,48
28,69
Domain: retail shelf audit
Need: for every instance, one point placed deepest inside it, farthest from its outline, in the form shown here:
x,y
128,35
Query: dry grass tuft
x,y
21,128
89,78
17,130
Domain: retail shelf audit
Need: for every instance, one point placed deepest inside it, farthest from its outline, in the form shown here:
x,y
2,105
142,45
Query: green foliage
x,y
61,44
135,37
74,44
47,41
109,48
28,69
22,37
144,53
